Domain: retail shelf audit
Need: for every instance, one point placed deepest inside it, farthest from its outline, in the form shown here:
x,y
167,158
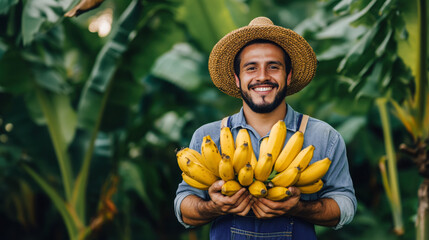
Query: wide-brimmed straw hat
x,y
221,61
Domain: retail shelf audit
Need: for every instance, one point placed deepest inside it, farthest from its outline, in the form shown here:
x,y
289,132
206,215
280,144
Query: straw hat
x,y
221,61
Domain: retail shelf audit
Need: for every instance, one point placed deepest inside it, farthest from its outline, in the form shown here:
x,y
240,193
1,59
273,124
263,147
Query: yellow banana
x,y
194,183
200,173
314,172
211,155
286,178
264,167
289,152
303,158
229,188
312,188
242,137
193,155
241,156
276,139
258,189
278,193
183,156
226,169
263,150
253,160
245,175
227,142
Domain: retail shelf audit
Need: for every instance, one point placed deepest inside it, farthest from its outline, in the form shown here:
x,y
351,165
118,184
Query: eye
x,y
273,67
250,68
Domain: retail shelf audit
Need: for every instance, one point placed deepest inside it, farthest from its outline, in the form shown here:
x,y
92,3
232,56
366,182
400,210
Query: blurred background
x,y
93,108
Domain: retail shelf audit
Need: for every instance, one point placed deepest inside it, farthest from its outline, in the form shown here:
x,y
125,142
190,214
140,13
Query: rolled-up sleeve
x,y
338,183
182,192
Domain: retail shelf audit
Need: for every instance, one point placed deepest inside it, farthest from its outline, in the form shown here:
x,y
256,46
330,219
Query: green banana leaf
x,y
96,91
207,21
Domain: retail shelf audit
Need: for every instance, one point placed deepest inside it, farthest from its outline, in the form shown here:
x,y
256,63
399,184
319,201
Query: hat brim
x,y
221,60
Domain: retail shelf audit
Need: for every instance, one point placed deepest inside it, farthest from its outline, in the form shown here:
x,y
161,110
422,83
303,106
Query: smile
x,y
262,89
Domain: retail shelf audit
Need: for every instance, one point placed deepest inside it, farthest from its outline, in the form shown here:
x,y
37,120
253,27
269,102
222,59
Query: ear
x,y
237,80
289,78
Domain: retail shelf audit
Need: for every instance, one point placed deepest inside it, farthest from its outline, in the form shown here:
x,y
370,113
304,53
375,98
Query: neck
x,y
263,122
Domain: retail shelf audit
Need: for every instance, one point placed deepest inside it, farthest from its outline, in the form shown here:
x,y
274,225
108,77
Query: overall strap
x,y
225,122
304,121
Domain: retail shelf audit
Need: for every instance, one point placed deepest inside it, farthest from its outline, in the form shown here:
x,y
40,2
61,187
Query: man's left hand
x,y
265,208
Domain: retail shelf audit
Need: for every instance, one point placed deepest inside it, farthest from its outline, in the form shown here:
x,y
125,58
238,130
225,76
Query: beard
x,y
264,107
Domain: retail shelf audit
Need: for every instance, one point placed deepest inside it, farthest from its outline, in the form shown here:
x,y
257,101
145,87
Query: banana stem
x,y
384,178
392,169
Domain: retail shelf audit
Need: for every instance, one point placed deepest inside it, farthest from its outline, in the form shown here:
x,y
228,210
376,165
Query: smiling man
x,y
262,64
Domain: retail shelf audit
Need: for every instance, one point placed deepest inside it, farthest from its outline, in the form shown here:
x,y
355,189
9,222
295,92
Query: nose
x,y
262,75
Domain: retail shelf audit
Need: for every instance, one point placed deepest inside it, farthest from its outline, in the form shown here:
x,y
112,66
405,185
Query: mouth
x,y
263,87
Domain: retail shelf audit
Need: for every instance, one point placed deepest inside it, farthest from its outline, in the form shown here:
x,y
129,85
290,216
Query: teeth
x,y
261,89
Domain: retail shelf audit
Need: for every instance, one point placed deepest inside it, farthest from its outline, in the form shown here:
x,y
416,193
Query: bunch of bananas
x,y
270,176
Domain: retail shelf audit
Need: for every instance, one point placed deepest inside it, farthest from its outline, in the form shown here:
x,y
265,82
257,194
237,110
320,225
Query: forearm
x,y
197,211
324,212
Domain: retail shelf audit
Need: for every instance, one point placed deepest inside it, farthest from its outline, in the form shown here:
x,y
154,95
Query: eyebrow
x,y
270,62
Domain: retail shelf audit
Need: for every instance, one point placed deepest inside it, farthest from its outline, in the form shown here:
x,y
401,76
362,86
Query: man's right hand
x,y
240,203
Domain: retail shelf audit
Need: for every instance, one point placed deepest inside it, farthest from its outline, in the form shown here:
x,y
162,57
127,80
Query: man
x,y
262,64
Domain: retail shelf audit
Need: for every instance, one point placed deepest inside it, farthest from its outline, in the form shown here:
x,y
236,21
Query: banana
x,y
312,188
278,193
211,155
183,156
289,152
229,188
303,158
227,142
276,139
241,156
253,160
200,173
314,172
243,136
245,176
286,178
258,189
193,155
194,183
226,169
264,167
263,150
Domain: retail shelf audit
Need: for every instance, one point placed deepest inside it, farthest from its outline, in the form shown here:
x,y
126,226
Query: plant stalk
x,y
392,169
59,144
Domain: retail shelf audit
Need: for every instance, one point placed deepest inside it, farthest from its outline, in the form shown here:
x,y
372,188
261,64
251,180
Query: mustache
x,y
273,84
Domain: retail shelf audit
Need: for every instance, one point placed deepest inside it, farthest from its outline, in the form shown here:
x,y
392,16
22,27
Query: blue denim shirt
x,y
327,141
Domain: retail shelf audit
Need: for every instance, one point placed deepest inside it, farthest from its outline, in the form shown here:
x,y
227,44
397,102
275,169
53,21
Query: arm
x,y
324,211
197,211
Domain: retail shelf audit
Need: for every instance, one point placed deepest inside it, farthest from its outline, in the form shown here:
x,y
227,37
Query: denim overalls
x,y
249,227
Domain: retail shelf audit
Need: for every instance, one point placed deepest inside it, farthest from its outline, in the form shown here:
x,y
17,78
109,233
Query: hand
x,y
265,208
239,203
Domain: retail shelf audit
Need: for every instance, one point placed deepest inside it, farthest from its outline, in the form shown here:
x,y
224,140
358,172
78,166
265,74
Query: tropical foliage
x,y
89,125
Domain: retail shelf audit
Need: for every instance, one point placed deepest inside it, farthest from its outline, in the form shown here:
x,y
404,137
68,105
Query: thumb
x,y
294,191
216,186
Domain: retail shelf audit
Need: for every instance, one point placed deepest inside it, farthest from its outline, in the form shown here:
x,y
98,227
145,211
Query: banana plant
x,y
62,121
414,115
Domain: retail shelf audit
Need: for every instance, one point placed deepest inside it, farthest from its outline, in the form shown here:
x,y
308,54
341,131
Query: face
x,y
262,79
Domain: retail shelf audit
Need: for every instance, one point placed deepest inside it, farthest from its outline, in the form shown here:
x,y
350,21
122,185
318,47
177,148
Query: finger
x,y
216,186
294,191
246,203
246,209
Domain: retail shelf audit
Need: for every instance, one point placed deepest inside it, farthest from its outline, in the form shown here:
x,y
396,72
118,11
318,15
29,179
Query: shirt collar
x,y
291,119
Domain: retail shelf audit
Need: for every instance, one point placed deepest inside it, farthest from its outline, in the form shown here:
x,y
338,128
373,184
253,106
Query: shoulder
x,y
320,129
323,136
212,129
